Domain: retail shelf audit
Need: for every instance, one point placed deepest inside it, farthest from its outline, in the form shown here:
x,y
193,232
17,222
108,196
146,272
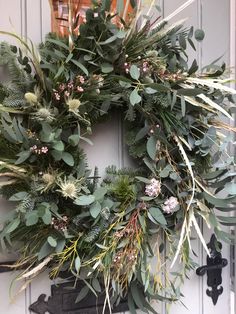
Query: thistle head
x,y
73,105
31,98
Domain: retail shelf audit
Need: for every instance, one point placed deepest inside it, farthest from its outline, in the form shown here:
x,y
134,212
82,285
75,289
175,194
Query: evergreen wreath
x,y
119,233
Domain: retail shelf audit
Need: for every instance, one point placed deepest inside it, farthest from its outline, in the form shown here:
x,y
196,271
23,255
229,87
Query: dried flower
x,y
73,105
66,93
60,224
37,150
69,188
81,79
70,85
44,149
44,114
170,205
31,98
80,89
57,96
154,188
99,80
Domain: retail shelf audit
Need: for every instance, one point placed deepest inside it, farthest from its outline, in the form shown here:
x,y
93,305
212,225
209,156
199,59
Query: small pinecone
x,y
26,205
105,213
93,234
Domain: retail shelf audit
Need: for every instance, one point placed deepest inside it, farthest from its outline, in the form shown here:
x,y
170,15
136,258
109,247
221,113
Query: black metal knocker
x,y
214,266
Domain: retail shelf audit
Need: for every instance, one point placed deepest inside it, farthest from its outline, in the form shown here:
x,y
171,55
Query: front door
x,y
31,18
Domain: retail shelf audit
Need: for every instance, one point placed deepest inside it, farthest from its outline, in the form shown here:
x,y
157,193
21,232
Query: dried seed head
x,y
31,98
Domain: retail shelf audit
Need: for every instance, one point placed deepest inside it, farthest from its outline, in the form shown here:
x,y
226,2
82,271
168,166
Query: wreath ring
x,y
63,217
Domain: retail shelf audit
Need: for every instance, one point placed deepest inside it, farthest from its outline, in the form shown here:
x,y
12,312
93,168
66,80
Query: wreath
x,y
116,234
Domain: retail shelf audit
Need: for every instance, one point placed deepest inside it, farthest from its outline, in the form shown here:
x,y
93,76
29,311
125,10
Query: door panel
x,y
32,18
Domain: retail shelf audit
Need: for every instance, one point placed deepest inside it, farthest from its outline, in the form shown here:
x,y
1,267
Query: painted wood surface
x,y
31,18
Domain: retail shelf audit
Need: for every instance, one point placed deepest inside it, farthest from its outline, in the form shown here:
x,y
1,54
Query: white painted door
x,y
31,18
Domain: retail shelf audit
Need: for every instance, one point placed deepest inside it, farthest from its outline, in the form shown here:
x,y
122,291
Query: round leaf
x,y
51,241
199,34
134,97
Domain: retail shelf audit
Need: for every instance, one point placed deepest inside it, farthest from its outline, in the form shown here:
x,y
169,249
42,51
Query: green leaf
x,y
183,106
134,97
159,87
144,180
68,159
57,155
18,196
59,145
95,209
199,34
84,200
52,241
68,58
58,43
77,263
107,67
189,91
157,215
193,68
60,71
96,285
81,66
142,133
134,72
151,147
182,41
47,217
31,218
150,90
131,304
125,84
218,202
230,188
100,193
60,245
74,139
136,296
229,221
45,250
82,294
23,156
108,40
121,33
12,225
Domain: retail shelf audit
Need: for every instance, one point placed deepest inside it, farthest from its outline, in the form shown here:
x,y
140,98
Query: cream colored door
x,y
31,18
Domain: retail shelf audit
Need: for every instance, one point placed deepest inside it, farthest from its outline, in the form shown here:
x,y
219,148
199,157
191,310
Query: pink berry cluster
x,y
37,150
60,224
143,66
170,205
154,188
65,90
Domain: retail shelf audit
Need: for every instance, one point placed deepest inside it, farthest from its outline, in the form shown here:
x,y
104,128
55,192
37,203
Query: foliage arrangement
x,y
117,234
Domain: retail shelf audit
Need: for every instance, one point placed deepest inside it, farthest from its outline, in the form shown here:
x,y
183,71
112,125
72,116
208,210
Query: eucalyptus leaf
x,y
107,68
157,215
74,139
84,200
52,241
77,263
68,159
135,98
152,147
134,72
95,209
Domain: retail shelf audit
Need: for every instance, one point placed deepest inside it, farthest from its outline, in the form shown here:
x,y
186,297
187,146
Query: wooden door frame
x,y
233,84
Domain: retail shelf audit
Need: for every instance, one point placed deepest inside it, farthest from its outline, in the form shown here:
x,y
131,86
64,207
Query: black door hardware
x,y
63,301
214,266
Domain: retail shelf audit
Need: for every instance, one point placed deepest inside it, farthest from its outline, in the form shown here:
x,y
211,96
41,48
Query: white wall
x,y
31,18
